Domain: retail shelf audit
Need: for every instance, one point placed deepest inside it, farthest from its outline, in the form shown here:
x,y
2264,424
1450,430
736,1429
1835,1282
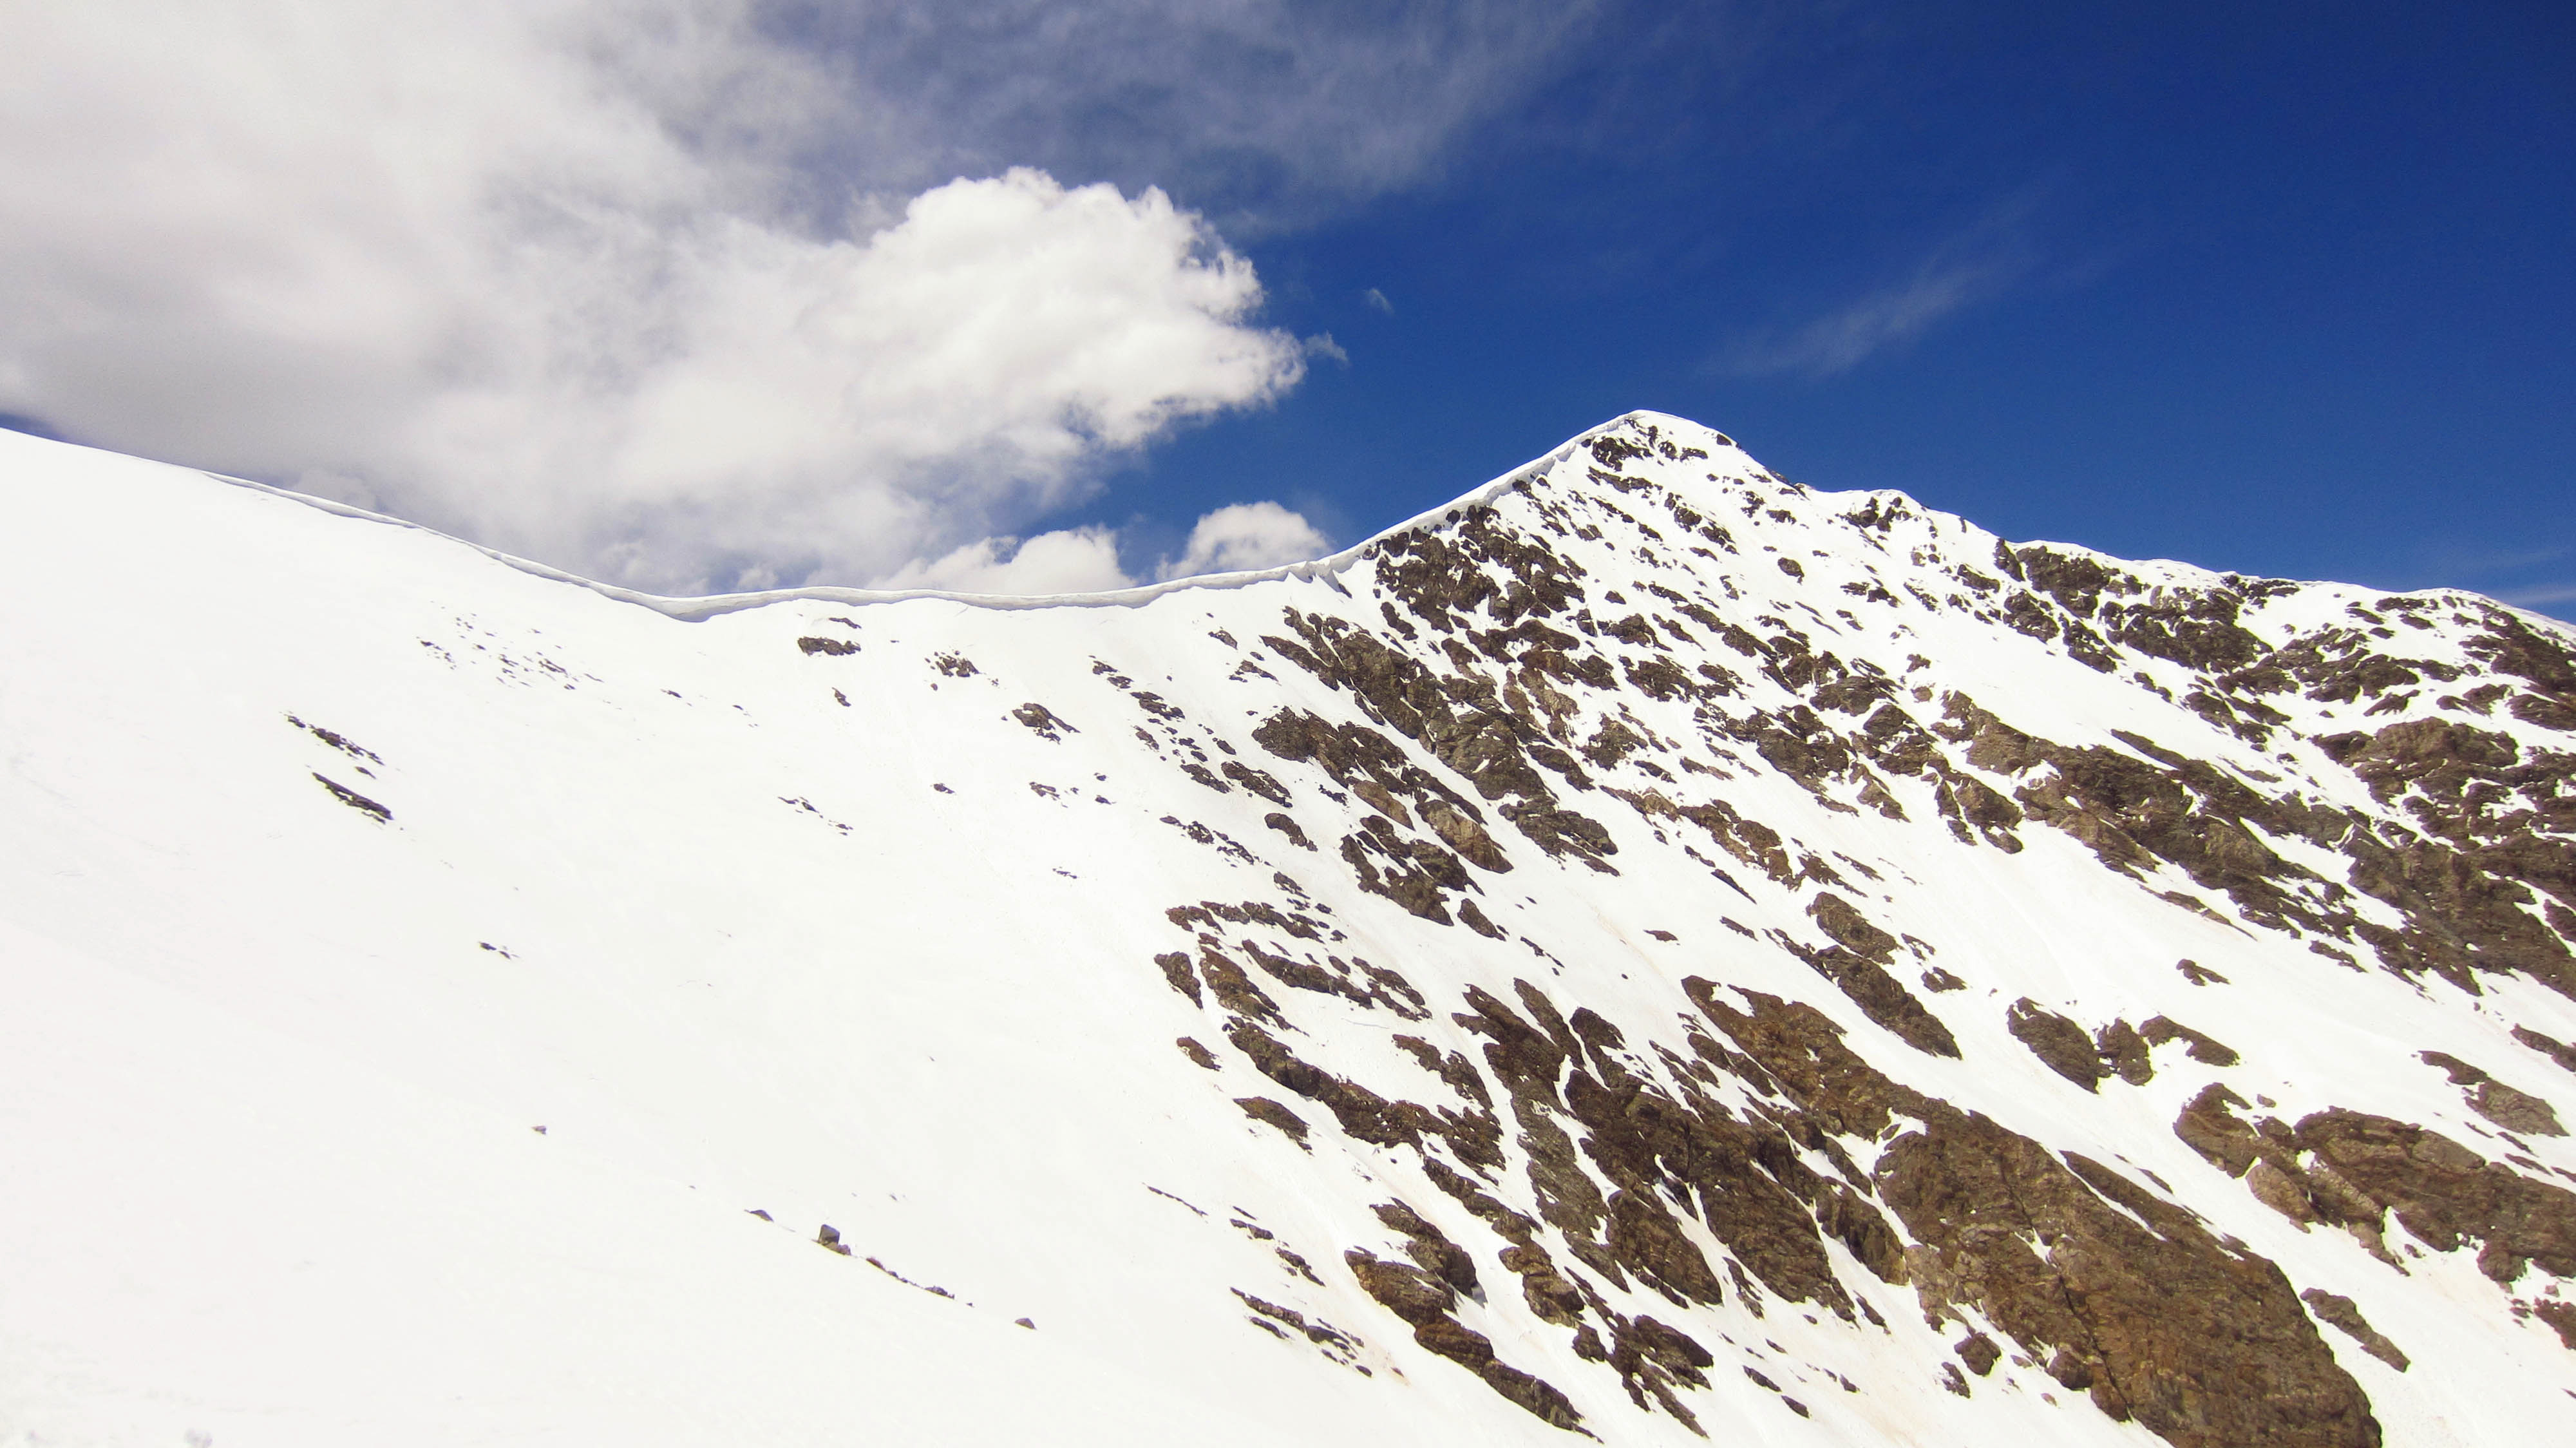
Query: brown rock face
x,y
1425,1300
2515,1110
2158,1030
2340,1314
1645,1239
1405,1290
2475,888
2060,1043
2200,1344
2352,1169
1744,1175
2126,1053
1549,1294
2446,1194
1435,1253
1271,1113
1464,1346
1539,1398
2468,886
1461,724
2561,1317
2205,1345
2558,1051
2506,1107
1857,965
1362,1113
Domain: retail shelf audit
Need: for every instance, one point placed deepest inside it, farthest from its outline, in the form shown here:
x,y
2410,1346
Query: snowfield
x,y
1644,905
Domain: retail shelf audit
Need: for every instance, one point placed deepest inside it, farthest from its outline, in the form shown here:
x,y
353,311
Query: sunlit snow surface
x,y
451,1127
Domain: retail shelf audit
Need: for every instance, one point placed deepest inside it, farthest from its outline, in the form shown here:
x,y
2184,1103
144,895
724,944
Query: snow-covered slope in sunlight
x,y
1650,951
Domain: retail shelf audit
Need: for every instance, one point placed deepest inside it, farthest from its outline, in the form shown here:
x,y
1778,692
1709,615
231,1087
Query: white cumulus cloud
x,y
1243,536
1069,560
555,274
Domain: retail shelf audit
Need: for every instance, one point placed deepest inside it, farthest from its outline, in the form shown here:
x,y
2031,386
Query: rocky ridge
x,y
1738,959
1665,663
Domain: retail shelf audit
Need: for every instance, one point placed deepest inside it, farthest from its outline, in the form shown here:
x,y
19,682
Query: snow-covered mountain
x,y
1650,951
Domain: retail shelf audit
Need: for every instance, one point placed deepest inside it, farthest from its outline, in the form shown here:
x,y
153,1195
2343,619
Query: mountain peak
x,y
1647,950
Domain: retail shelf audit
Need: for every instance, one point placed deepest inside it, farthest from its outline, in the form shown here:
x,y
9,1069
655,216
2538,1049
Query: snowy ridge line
x,y
1328,568
697,610
2207,576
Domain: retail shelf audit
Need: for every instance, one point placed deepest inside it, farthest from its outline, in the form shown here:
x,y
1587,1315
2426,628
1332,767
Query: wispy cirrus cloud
x,y
2473,561
1975,265
2540,595
1265,113
2531,577
2527,574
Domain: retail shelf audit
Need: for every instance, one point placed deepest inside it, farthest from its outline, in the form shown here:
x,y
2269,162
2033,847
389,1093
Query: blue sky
x,y
2279,288
1028,295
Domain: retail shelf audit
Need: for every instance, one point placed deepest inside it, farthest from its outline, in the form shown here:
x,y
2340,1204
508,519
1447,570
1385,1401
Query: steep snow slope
x,y
1650,950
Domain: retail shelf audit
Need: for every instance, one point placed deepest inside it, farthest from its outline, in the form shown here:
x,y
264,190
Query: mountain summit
x,y
1649,952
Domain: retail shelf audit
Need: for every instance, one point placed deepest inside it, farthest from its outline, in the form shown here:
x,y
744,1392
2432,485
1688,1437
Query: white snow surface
x,y
455,1127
